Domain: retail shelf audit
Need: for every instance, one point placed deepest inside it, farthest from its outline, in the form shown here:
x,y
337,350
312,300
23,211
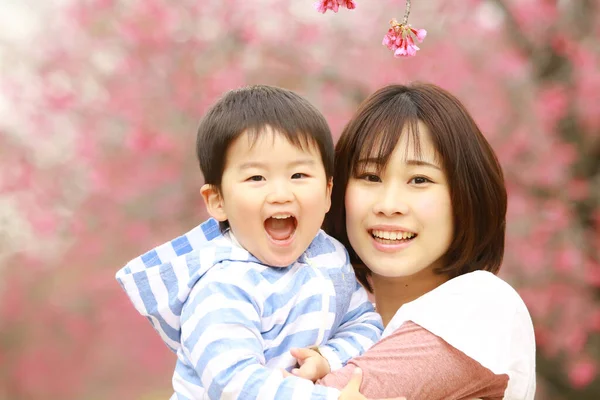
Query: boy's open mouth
x,y
392,237
281,226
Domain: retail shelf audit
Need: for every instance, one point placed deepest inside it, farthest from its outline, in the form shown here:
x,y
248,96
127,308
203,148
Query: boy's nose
x,y
280,193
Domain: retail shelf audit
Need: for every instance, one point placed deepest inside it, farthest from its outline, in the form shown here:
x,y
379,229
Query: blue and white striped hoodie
x,y
232,320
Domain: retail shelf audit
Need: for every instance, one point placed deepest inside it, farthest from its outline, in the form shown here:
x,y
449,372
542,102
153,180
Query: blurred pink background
x,y
99,103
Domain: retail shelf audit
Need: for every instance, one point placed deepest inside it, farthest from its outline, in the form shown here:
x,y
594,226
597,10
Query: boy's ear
x,y
328,193
214,202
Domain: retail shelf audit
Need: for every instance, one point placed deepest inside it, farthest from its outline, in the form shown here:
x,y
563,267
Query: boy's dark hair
x,y
474,174
249,110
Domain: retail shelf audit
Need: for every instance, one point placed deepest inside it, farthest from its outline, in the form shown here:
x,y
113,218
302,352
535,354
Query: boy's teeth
x,y
392,235
281,216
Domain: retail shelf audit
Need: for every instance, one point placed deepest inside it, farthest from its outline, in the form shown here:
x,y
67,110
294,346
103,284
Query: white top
x,y
484,317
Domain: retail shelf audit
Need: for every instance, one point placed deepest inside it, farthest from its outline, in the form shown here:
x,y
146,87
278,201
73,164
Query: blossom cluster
x,y
323,5
399,39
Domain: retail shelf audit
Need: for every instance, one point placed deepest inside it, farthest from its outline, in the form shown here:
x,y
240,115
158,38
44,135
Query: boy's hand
x,y
313,366
351,390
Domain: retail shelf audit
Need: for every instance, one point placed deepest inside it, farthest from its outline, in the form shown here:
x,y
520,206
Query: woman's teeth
x,y
387,235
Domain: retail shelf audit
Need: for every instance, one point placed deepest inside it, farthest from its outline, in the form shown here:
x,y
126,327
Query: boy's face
x,y
274,195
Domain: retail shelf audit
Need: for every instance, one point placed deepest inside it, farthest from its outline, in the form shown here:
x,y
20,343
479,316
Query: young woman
x,y
420,203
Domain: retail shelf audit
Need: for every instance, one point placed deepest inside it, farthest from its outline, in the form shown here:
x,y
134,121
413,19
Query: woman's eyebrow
x,y
370,160
422,163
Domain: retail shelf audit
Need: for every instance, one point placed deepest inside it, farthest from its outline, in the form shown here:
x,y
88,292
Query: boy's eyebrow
x,y
306,162
251,164
258,164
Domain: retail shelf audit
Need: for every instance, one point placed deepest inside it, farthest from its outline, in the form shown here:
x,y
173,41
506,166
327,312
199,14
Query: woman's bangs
x,y
378,139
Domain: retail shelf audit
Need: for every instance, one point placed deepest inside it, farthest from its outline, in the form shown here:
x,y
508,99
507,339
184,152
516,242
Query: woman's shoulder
x,y
484,317
476,295
489,289
478,301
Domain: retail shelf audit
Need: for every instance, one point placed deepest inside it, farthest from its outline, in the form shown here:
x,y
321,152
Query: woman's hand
x,y
351,391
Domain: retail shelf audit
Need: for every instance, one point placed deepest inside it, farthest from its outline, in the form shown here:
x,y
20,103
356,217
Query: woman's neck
x,y
392,293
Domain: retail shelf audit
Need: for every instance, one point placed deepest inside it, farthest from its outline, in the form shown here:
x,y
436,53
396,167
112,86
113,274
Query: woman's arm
x,y
417,364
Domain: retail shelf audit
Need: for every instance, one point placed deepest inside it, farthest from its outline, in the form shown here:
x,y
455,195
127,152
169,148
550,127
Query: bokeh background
x,y
99,103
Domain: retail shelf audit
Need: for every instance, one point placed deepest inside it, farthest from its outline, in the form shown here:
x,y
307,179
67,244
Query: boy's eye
x,y
420,180
256,178
299,175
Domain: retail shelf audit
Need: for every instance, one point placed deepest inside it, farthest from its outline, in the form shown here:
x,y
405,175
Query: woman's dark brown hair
x,y
473,172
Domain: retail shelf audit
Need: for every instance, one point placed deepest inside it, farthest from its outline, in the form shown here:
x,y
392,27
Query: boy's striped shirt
x,y
232,320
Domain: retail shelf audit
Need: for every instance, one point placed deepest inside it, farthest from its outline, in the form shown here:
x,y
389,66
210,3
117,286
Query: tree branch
x,y
406,13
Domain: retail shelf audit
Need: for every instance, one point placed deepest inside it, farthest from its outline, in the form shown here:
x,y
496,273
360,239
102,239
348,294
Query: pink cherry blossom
x,y
399,39
323,5
582,373
420,33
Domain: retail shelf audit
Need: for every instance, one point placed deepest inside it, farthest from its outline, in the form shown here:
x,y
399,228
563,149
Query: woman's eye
x,y
299,175
419,180
256,178
370,178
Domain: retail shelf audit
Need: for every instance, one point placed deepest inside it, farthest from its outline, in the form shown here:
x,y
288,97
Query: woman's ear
x,y
214,202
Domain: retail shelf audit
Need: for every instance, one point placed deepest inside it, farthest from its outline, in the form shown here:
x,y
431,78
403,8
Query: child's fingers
x,y
306,371
302,354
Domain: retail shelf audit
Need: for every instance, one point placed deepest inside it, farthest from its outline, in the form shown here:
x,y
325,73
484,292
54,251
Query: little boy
x,y
233,297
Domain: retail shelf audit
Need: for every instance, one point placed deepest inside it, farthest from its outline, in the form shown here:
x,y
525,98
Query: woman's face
x,y
399,221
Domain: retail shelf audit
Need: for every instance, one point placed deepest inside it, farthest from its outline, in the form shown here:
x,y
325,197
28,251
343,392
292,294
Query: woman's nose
x,y
391,201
